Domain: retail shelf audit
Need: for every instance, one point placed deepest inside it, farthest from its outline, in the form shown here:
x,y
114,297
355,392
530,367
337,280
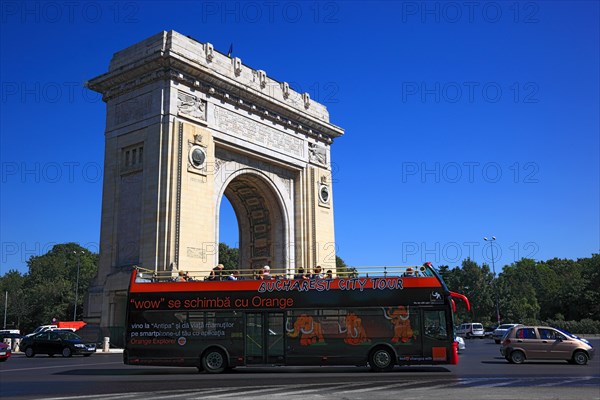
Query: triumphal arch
x,y
187,126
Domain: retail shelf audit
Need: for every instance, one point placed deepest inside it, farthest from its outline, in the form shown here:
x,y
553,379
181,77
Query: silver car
x,y
544,343
500,331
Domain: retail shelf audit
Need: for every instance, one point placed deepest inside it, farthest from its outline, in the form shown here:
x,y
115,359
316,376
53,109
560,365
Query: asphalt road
x,y
481,374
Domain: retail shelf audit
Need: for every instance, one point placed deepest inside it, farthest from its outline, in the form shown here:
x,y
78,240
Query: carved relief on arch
x,y
191,106
317,154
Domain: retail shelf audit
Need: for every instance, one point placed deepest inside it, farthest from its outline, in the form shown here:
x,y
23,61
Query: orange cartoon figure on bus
x,y
310,332
355,333
400,318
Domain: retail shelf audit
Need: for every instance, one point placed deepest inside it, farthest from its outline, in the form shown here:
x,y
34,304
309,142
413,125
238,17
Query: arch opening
x,y
261,224
228,224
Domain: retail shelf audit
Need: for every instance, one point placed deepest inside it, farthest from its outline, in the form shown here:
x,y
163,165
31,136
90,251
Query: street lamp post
x,y
5,307
77,284
492,240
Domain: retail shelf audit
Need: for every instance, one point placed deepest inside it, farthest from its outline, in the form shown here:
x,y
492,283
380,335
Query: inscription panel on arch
x,y
257,133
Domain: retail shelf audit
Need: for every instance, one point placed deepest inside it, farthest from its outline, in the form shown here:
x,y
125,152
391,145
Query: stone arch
x,y
263,220
256,141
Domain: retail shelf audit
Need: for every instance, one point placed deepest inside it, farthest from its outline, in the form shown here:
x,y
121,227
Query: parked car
x,y
461,343
470,330
57,341
5,352
500,331
544,343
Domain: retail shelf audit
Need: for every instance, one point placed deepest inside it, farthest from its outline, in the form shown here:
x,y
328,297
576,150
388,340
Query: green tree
x,y
572,289
545,278
12,292
589,302
454,281
478,287
229,257
50,285
342,269
452,277
477,283
518,299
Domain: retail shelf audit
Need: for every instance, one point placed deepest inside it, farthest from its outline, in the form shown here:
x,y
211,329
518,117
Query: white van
x,y
10,331
42,328
470,330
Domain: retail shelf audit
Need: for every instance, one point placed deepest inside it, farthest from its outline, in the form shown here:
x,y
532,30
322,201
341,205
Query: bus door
x,y
264,338
437,338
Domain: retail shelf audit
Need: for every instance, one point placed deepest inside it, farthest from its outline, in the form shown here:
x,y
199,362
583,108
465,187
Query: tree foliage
x,y
12,286
229,257
49,289
529,291
342,269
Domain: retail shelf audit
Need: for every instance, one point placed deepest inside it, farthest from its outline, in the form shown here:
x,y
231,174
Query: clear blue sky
x,y
462,119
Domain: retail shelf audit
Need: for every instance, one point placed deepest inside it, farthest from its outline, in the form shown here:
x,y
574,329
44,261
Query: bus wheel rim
x,y
382,358
214,360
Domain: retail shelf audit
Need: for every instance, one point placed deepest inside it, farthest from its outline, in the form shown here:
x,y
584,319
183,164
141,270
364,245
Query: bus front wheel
x,y
381,360
214,361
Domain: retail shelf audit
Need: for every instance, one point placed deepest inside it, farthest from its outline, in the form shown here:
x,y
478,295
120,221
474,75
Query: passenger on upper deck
x,y
318,273
234,276
409,272
217,273
182,277
266,272
301,274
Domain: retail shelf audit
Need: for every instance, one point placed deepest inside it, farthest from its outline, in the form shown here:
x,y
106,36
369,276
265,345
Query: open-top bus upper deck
x,y
381,286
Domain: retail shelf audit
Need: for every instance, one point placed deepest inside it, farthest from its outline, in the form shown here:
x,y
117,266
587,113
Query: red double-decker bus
x,y
395,316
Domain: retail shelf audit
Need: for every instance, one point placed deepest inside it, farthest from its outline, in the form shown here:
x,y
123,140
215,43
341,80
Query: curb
x,y
111,351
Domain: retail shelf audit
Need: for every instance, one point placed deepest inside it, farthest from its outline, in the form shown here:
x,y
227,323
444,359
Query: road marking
x,y
245,391
567,381
376,388
186,394
321,386
142,395
506,383
445,384
101,396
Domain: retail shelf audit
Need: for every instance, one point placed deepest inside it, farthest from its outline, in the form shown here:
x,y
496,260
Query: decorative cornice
x,y
166,64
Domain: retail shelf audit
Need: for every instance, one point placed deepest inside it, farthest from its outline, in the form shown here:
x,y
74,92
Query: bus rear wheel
x,y
381,360
214,361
